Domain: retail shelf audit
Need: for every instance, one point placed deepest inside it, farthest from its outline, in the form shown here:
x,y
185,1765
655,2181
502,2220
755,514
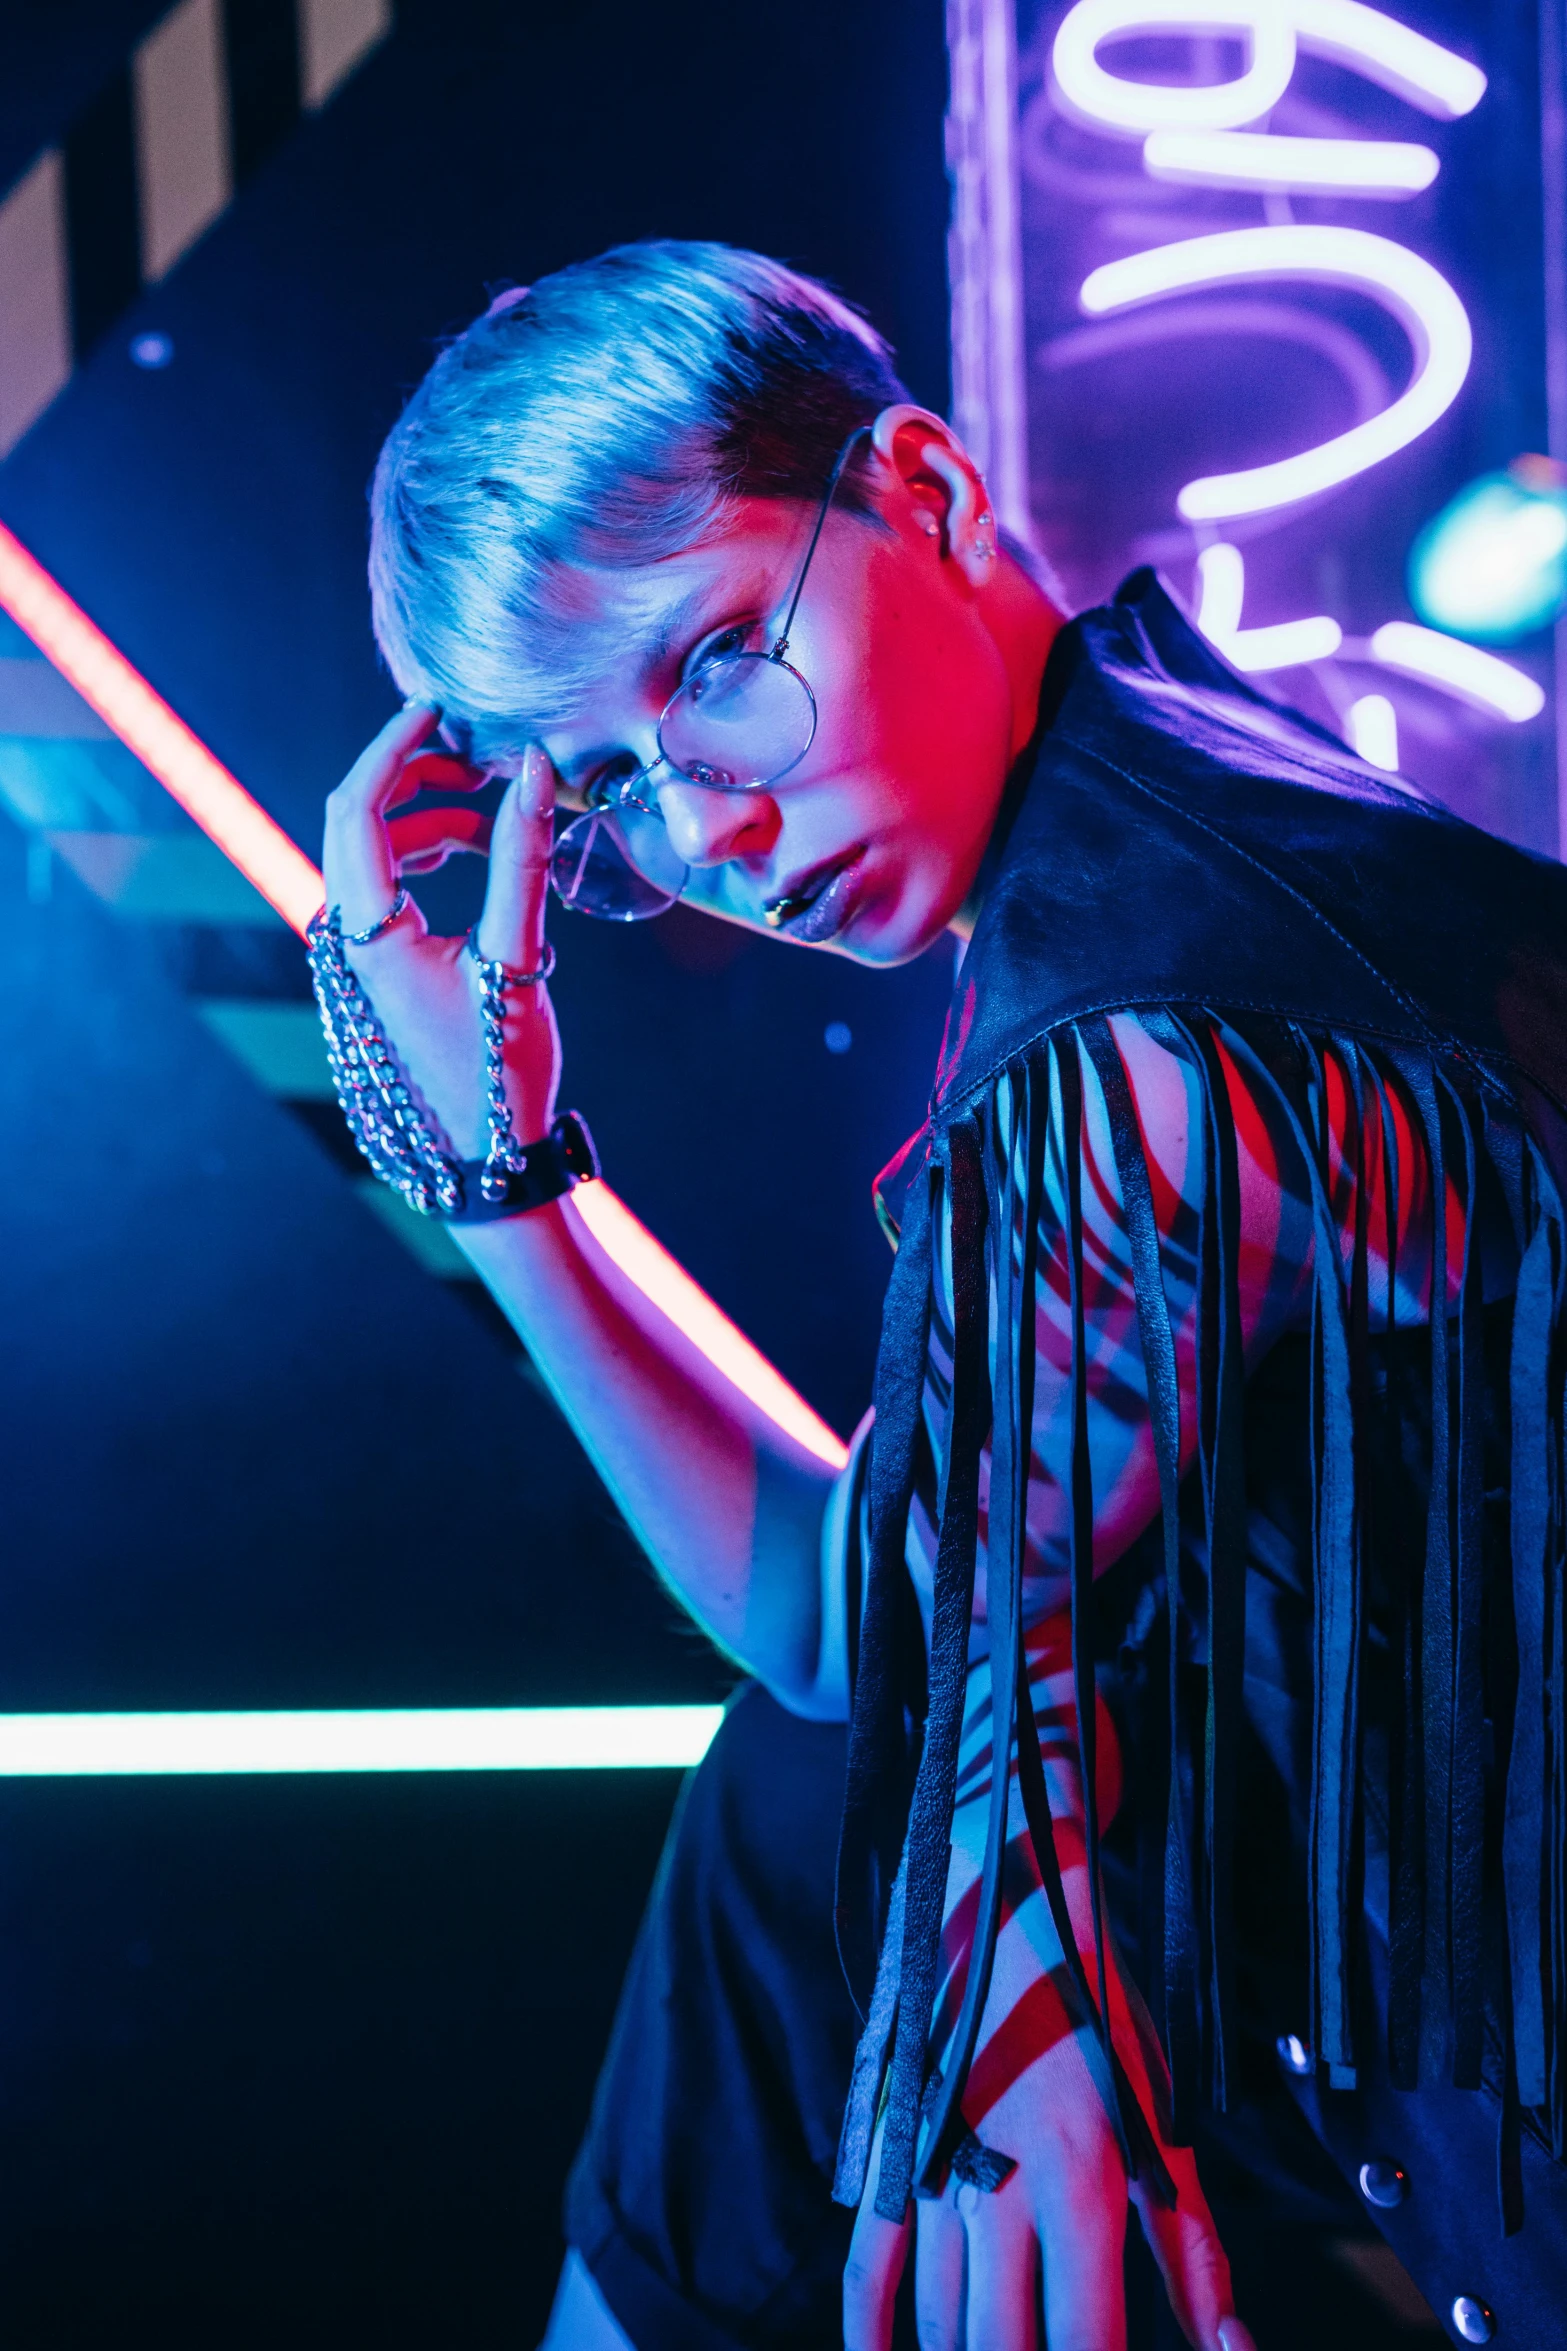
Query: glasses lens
x,y
740,722
617,864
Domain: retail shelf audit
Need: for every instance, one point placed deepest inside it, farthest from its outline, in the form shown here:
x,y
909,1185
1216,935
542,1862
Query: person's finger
x,y
426,837
1083,2243
940,2257
878,2250
435,771
511,928
357,862
384,757
1191,2260
1002,2303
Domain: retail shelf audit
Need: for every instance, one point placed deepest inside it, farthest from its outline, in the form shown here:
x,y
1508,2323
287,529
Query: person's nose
x,y
710,828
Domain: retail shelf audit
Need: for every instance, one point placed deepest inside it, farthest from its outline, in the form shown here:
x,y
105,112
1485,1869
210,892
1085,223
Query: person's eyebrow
x,y
691,617
699,612
677,627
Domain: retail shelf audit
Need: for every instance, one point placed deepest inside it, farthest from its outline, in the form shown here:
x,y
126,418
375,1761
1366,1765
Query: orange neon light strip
x,y
665,1281
162,742
284,875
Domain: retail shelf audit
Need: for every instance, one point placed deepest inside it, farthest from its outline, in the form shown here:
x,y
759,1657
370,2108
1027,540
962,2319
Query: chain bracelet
x,y
506,1156
383,1117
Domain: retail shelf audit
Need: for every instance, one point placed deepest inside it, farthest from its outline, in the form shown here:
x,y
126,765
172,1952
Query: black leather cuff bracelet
x,y
553,1166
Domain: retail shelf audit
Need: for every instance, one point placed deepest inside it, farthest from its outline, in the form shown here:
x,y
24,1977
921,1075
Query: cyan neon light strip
x,y
381,1739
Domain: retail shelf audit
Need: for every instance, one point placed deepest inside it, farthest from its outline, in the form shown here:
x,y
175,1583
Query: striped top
x,y
1275,1268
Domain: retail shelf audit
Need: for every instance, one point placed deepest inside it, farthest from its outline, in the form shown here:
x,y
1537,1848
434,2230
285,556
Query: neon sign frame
x,y
1197,134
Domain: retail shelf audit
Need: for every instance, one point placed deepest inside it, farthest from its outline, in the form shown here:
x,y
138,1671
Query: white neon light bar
x,y
1418,295
1264,160
478,1738
284,875
1365,40
1221,574
1373,731
1463,669
163,743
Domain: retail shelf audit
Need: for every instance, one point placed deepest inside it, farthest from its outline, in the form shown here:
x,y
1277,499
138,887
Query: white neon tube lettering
x,y
1221,574
1416,294
1373,731
1366,40
1377,46
474,1738
1262,160
1111,102
1462,669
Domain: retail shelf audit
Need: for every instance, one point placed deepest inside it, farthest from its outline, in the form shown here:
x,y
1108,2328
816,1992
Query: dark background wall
x,y
305,2061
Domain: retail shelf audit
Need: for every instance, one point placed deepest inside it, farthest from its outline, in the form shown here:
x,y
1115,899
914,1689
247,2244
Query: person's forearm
x,y
728,1508
1023,2007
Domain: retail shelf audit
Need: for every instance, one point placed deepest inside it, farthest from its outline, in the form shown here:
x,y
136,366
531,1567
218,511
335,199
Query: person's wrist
x,y
529,1177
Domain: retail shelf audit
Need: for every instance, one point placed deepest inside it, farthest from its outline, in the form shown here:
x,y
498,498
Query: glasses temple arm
x,y
835,477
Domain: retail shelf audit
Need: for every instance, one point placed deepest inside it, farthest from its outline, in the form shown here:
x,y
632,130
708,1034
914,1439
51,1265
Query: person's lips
x,y
820,904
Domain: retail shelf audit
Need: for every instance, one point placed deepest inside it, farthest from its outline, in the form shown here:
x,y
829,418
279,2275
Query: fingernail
x,y
1234,2337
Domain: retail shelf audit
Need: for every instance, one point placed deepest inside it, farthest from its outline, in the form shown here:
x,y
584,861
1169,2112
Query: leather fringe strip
x,y
1460,1659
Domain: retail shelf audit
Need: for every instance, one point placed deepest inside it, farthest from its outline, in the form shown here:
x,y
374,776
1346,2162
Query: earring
x,y
929,525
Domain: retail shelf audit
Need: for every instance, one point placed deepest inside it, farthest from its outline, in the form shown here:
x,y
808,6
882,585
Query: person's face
x,y
906,634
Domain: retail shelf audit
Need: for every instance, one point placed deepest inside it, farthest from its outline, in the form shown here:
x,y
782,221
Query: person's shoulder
x,y
1150,695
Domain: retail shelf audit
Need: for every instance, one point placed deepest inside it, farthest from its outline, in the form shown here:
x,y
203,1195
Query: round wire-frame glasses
x,y
738,724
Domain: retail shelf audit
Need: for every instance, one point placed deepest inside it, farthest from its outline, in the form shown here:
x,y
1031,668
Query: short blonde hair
x,y
597,420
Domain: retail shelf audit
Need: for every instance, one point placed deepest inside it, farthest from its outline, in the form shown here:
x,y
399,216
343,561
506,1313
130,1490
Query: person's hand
x,y
1047,2245
425,990
1038,2261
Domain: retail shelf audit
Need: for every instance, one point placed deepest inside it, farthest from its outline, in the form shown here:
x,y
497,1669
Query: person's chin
x,y
885,931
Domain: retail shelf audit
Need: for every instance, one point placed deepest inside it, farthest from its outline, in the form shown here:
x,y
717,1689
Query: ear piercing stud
x,y
929,525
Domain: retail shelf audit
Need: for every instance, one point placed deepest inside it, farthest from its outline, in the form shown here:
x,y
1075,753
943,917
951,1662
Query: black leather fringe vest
x,y
1188,850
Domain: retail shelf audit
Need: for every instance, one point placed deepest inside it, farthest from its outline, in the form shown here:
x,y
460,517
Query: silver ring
x,y
398,906
510,977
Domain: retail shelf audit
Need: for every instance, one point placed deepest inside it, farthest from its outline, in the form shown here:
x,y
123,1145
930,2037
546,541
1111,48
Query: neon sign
x,y
1265,161
1364,39
1419,297
1221,150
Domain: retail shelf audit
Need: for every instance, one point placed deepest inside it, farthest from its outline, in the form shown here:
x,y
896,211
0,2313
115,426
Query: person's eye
x,y
600,788
737,636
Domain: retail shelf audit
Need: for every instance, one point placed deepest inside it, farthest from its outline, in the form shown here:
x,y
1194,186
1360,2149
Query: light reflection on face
x,y
872,842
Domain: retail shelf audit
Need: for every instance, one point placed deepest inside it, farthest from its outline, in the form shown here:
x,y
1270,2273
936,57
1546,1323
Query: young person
x,y
1177,1492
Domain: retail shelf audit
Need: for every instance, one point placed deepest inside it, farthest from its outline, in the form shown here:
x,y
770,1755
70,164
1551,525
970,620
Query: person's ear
x,y
934,475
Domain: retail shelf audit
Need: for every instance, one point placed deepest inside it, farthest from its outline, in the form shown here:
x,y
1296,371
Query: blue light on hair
x,y
592,423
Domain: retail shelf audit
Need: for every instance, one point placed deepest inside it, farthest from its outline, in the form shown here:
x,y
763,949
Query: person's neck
x,y
1025,625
